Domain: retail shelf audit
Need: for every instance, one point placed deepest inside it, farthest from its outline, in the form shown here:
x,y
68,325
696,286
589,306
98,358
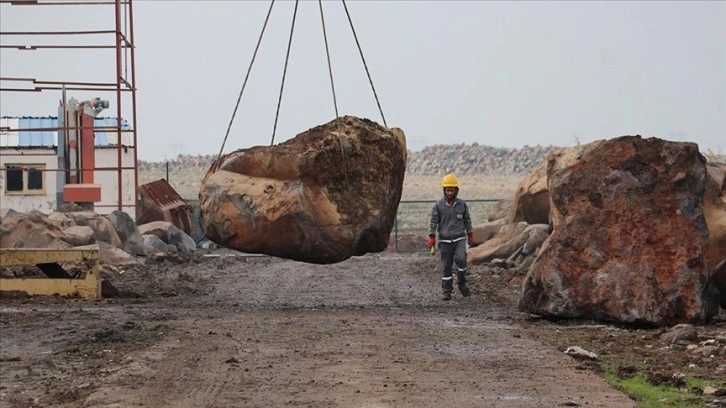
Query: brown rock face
x,y
31,230
629,240
508,239
719,280
330,193
532,199
714,209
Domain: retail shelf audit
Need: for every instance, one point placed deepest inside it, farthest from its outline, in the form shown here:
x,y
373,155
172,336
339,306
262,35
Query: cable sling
x,y
327,53
284,73
360,51
244,84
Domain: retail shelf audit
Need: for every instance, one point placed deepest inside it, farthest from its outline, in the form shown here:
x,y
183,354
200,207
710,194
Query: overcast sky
x,y
503,74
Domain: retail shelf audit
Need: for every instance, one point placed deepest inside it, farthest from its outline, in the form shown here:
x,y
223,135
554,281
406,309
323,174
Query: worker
x,y
450,218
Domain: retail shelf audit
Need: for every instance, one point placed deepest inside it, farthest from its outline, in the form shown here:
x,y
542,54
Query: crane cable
x,y
327,53
244,84
335,100
284,73
360,51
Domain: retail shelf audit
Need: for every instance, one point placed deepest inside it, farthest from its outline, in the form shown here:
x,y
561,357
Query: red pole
x,y
117,6
88,148
133,103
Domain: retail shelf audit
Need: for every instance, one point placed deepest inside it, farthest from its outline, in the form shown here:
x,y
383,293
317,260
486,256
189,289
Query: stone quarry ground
x,y
222,329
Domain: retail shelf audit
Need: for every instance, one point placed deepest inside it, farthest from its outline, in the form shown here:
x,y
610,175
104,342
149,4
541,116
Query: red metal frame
x,y
123,41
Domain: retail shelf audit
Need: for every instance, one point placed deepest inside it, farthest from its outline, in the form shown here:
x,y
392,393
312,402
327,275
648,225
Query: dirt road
x,y
235,331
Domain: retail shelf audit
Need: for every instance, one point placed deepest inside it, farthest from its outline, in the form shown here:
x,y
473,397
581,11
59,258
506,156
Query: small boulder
x,y
680,333
169,234
154,244
110,255
485,231
79,236
508,240
31,230
128,232
103,230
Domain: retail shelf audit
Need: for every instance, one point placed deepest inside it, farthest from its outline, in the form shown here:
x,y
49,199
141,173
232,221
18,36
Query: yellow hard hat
x,y
449,181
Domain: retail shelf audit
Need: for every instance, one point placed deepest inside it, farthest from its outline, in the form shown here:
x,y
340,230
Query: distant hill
x,y
462,159
438,159
475,159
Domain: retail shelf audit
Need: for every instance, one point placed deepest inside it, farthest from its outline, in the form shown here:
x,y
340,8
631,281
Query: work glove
x,y
470,239
432,241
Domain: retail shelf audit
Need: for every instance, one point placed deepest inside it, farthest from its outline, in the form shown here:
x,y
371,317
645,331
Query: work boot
x,y
463,287
447,286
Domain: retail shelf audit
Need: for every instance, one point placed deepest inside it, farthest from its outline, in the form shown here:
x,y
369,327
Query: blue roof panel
x,y
44,138
101,136
49,137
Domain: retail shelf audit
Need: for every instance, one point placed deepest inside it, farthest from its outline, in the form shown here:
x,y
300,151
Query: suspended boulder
x,y
330,193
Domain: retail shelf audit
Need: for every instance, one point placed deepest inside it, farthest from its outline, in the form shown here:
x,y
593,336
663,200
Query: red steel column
x,y
133,106
117,6
88,149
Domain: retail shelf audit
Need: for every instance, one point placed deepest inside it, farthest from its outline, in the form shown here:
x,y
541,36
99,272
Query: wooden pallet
x,y
59,281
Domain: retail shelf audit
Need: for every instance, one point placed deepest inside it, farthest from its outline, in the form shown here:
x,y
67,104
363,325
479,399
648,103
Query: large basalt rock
x,y
629,239
330,193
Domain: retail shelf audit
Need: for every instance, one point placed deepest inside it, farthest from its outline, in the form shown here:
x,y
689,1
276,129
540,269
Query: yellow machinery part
x,y
88,287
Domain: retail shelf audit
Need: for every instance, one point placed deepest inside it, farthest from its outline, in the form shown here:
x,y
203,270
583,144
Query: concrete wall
x,y
108,179
46,202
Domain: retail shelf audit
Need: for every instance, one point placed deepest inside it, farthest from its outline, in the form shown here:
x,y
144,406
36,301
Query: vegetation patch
x,y
655,389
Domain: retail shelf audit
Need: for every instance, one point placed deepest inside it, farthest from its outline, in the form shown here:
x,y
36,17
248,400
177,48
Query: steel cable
x,y
284,73
335,101
327,53
360,51
244,84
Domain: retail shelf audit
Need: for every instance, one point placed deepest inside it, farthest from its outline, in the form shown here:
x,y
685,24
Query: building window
x,y
25,179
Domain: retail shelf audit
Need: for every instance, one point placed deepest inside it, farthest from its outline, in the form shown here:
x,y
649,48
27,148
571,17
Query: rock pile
x,y
120,240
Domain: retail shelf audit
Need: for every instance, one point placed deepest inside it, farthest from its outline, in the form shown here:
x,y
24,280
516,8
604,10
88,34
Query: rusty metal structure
x,y
120,39
160,202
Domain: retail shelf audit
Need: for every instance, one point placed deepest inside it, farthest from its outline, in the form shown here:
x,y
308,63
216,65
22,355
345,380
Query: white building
x,y
32,175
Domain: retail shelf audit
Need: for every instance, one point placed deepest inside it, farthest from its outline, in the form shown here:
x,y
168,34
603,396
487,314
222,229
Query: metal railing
x,y
410,229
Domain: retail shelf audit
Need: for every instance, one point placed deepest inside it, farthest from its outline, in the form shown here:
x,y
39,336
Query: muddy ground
x,y
226,330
